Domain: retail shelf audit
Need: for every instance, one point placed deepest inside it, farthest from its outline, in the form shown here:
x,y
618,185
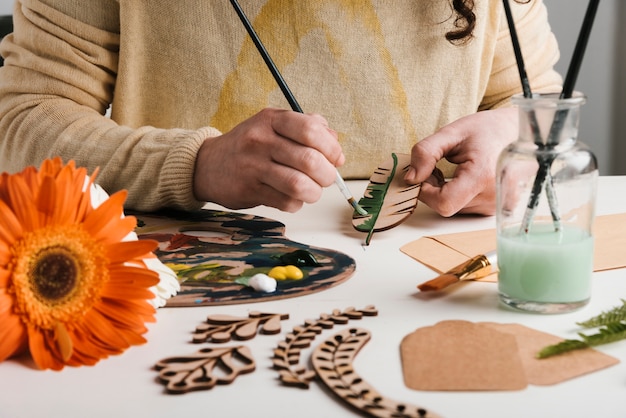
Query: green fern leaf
x,y
616,314
388,199
562,347
613,328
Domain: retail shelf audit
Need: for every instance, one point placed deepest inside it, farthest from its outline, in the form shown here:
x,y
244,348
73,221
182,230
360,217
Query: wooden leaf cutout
x,y
388,200
287,353
221,328
205,369
332,360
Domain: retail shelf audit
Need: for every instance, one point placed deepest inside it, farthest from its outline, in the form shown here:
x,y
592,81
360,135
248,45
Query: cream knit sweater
x,y
178,72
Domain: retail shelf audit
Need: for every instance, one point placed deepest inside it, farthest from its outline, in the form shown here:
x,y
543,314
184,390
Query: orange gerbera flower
x,y
71,292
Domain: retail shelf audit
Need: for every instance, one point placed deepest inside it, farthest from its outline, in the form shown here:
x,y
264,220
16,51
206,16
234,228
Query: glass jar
x,y
546,193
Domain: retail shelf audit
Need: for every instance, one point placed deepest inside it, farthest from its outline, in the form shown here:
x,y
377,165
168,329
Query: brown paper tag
x,y
461,355
554,369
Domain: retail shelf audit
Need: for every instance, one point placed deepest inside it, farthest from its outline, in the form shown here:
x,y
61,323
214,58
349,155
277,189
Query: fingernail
x,y
410,175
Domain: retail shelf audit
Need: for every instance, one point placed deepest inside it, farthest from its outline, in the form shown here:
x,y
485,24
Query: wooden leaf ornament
x,y
287,353
205,369
332,361
388,200
221,328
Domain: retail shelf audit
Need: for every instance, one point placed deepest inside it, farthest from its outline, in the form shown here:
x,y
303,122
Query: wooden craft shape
x,y
332,360
388,199
205,369
221,328
287,353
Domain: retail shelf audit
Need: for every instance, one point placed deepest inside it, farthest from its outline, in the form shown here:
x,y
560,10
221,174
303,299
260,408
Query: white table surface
x,y
126,385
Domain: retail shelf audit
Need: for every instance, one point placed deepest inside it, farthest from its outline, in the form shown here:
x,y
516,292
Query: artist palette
x,y
210,249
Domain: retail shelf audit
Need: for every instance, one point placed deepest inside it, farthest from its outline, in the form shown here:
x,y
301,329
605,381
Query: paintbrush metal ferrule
x,y
475,268
348,195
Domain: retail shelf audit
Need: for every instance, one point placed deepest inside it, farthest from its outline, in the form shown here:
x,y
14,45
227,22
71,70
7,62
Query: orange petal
x,y
139,307
63,341
10,227
126,292
104,331
69,185
126,250
140,277
133,337
21,201
111,210
41,352
5,277
85,353
126,317
46,200
5,253
12,335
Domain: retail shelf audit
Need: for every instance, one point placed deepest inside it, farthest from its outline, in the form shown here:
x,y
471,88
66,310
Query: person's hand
x,y
276,158
473,143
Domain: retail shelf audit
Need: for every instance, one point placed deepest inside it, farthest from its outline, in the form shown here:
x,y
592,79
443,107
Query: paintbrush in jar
x,y
475,268
543,174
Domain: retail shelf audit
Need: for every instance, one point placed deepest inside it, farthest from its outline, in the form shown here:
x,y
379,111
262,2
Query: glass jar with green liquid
x,y
546,193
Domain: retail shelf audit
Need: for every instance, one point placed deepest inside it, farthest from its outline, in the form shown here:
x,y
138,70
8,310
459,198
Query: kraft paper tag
x,y
461,355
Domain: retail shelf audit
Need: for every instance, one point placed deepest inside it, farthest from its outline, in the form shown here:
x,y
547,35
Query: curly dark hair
x,y
465,21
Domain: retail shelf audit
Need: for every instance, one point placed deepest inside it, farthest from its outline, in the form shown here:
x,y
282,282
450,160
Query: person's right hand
x,y
277,158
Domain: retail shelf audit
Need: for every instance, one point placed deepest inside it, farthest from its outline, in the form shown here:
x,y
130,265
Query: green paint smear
x,y
374,204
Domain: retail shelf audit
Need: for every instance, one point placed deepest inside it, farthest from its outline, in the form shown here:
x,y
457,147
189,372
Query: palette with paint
x,y
209,250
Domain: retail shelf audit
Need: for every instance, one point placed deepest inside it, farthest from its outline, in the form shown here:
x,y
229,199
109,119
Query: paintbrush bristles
x,y
439,283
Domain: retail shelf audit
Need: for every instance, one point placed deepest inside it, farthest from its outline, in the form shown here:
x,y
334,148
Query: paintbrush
x,y
544,163
289,96
543,174
475,268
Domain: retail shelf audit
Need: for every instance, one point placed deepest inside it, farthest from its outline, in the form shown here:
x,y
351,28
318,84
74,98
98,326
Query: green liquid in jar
x,y
545,266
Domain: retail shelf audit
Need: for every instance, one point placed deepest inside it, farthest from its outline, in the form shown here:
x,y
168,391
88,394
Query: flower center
x,y
58,275
54,274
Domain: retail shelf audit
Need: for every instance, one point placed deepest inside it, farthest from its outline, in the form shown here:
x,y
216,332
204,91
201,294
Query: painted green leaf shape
x,y
388,199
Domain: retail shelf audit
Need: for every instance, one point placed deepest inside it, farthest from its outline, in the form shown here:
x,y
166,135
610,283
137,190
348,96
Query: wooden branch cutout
x,y
221,328
388,199
205,369
332,360
287,353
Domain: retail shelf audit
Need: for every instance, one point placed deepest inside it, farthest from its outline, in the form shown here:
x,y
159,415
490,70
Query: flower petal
x,y
104,332
129,275
10,226
127,250
5,276
21,202
123,291
42,353
110,211
63,341
12,332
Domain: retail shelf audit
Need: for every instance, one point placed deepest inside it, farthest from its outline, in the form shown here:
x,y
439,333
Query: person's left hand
x,y
474,143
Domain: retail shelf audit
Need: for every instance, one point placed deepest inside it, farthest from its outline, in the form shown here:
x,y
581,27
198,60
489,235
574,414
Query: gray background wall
x,y
601,76
603,120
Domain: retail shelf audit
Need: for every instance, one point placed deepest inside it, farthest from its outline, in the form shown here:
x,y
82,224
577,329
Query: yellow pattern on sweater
x,y
175,73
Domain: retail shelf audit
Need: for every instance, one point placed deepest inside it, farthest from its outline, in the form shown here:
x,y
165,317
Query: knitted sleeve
x,y
55,87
